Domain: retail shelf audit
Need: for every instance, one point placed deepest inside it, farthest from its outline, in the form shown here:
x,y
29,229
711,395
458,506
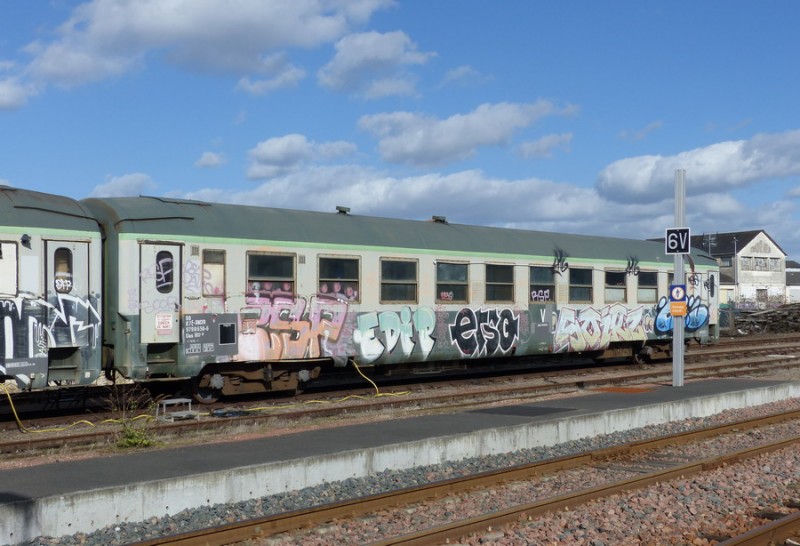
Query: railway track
x,y
104,431
641,460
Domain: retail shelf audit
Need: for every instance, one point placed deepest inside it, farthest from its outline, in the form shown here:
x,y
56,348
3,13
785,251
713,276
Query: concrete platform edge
x,y
85,511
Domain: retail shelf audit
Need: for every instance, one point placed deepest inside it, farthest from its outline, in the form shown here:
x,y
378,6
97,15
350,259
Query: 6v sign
x,y
678,241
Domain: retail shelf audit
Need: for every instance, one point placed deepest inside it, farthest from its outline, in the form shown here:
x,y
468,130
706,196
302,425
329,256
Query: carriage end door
x,y
159,293
67,292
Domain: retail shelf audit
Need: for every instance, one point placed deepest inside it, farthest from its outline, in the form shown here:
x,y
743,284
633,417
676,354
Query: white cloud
x,y
417,139
284,74
388,87
473,197
461,75
641,134
126,185
210,159
544,146
371,63
717,167
14,94
281,155
288,78
107,38
794,192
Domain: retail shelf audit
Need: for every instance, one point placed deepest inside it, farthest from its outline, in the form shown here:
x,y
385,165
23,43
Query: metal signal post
x,y
678,249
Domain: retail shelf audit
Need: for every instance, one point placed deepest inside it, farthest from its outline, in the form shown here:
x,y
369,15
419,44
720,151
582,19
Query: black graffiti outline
x,y
560,263
484,332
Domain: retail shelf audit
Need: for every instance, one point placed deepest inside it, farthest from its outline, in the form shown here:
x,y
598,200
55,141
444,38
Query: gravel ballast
x,y
572,527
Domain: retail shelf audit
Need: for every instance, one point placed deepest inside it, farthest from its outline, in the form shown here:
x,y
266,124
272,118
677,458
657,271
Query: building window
x,y
214,273
761,264
747,263
774,264
270,274
580,285
8,269
451,282
542,284
725,261
647,291
339,277
615,286
499,283
762,296
398,281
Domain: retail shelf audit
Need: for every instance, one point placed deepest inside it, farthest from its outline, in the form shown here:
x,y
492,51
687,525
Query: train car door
x,y
160,293
67,293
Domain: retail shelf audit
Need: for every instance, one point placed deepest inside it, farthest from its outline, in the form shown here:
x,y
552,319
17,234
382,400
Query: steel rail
x,y
456,530
30,443
769,534
290,521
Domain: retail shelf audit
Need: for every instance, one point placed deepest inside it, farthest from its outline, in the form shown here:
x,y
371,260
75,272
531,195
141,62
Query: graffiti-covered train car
x,y
50,290
242,299
247,299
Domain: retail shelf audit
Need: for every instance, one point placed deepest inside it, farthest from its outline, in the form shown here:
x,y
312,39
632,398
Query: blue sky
x,y
556,116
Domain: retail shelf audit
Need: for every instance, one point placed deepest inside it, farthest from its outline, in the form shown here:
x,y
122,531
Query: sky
x,y
559,116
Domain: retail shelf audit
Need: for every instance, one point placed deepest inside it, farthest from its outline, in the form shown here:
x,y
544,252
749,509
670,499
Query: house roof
x,y
727,244
791,264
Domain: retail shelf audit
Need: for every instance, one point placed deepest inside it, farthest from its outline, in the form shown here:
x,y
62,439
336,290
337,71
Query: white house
x,y
752,267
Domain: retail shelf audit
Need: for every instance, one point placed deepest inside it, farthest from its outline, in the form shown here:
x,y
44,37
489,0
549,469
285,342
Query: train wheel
x,y
204,394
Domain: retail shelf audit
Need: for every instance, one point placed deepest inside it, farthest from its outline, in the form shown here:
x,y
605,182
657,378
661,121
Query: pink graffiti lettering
x,y
288,327
591,329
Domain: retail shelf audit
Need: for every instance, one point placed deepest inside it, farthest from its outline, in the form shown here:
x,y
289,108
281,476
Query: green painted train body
x,y
246,299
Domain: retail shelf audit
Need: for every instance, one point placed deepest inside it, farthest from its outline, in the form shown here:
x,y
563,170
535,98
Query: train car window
x,y
62,259
8,269
580,285
339,277
615,291
213,273
165,277
452,280
647,291
270,274
500,283
398,281
542,284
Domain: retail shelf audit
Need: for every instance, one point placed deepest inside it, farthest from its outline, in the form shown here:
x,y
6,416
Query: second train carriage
x,y
247,299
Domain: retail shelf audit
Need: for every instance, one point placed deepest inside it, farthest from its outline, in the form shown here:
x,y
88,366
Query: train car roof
x,y
176,218
37,211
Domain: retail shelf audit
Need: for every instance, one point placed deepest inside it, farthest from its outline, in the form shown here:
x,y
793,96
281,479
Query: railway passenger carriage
x,y
248,299
50,290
